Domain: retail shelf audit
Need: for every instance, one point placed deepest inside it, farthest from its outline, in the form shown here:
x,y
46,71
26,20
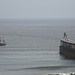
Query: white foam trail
x,y
60,74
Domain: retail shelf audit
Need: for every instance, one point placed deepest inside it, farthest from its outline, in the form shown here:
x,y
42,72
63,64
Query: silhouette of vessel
x,y
2,41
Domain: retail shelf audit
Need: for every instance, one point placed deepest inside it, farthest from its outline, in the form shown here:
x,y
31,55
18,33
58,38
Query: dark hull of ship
x,y
67,52
2,44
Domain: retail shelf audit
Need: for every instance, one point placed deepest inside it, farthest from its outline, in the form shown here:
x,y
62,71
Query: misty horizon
x,y
37,9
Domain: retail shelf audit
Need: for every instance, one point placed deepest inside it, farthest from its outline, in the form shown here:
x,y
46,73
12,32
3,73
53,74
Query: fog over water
x,y
33,47
32,30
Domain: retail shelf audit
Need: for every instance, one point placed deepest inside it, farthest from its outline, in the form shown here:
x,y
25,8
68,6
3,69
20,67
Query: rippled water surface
x,y
34,50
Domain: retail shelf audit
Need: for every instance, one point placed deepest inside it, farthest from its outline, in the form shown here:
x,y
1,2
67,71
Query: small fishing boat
x,y
2,41
67,47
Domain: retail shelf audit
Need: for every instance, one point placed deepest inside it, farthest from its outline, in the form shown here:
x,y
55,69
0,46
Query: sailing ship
x,y
2,41
67,47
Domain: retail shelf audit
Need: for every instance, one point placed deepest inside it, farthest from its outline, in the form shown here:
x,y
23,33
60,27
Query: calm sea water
x,y
34,49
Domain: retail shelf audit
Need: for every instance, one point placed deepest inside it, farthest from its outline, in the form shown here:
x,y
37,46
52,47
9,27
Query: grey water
x,y
33,47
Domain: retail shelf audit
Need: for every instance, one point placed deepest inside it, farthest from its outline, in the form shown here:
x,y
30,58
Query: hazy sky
x,y
37,9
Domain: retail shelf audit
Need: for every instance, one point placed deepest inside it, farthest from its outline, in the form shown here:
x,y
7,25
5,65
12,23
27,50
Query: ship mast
x,y
0,38
3,39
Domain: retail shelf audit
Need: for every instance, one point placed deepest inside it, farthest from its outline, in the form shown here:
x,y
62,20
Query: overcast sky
x,y
37,9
